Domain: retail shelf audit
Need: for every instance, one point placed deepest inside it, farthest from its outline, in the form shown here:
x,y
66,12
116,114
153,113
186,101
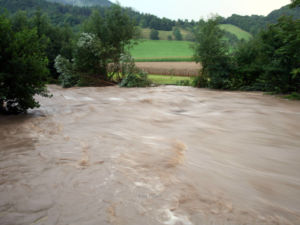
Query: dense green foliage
x,y
103,42
270,62
23,67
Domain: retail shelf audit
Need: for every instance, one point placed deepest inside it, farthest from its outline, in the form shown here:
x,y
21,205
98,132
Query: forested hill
x,y
86,3
69,12
253,24
59,14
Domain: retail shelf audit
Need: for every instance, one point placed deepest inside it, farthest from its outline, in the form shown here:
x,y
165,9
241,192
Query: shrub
x,y
132,76
136,80
67,78
154,34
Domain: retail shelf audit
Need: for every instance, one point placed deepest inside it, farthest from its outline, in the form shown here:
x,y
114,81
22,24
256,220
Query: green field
x,y
168,80
238,32
162,50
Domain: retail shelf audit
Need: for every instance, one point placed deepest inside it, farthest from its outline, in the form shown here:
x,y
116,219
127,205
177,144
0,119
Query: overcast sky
x,y
196,9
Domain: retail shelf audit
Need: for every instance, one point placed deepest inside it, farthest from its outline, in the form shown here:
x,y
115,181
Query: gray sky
x,y
196,9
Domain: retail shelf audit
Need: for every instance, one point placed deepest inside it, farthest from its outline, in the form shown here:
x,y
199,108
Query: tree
x,y
177,34
154,34
280,51
23,68
212,52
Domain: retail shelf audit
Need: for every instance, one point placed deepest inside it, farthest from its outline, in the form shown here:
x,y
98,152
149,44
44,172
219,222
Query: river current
x,y
151,156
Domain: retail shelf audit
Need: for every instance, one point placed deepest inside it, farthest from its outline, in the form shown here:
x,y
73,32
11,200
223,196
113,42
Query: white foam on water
x,y
115,99
87,99
173,219
69,98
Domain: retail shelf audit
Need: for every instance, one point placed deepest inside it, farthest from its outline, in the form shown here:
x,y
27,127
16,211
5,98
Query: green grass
x,y
162,50
241,34
165,59
168,80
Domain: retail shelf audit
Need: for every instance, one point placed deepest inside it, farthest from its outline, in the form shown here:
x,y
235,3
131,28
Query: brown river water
x,y
163,155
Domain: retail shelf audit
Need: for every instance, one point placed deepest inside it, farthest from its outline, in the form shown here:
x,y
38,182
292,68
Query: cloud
x,y
196,9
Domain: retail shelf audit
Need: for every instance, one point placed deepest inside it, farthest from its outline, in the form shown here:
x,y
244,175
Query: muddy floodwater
x,y
152,156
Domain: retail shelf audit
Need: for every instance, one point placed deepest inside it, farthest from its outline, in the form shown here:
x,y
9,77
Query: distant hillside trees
x,y
23,66
84,3
255,23
154,34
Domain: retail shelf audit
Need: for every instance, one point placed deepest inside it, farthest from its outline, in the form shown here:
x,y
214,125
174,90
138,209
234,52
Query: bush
x,y
183,83
67,78
136,80
132,76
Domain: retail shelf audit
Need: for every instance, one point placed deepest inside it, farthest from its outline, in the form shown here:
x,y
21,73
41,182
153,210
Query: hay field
x,y
188,69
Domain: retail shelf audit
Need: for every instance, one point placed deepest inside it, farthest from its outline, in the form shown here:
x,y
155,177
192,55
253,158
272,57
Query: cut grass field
x,y
169,80
162,50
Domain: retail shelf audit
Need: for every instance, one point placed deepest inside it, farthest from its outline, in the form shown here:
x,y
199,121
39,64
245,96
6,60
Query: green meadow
x,y
169,80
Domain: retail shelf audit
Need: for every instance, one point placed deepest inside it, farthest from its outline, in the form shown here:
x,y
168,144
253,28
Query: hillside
x,y
254,23
85,3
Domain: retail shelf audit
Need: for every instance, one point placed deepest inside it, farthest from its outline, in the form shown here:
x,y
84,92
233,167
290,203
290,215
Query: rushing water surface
x,y
163,155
